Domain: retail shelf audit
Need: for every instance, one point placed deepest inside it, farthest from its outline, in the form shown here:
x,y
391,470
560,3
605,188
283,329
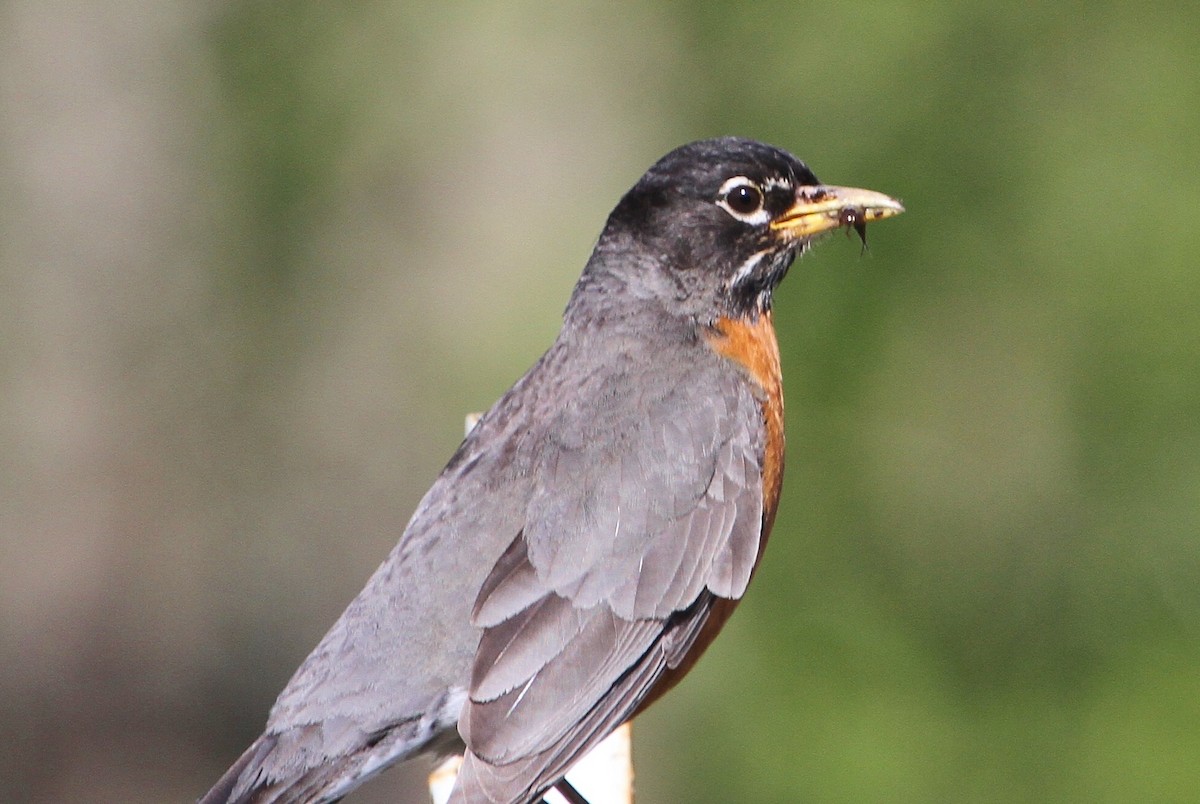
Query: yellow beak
x,y
821,208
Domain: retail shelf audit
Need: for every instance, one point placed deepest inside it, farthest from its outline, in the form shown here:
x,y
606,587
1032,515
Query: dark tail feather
x,y
222,791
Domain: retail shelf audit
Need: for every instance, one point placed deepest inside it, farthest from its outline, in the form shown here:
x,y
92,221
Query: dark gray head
x,y
712,227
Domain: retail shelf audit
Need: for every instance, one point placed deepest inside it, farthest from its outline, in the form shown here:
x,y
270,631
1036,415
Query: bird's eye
x,y
744,199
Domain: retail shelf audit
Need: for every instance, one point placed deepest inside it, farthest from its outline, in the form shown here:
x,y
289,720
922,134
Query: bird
x,y
599,524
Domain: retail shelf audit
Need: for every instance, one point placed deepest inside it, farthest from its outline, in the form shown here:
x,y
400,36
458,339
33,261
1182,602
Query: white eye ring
x,y
744,200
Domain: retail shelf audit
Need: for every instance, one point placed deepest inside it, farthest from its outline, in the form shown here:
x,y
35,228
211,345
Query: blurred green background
x,y
258,259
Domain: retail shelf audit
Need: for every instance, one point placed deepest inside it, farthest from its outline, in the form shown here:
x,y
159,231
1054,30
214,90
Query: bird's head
x,y
713,226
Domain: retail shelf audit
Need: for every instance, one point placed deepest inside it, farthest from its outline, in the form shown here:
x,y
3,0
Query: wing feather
x,y
610,581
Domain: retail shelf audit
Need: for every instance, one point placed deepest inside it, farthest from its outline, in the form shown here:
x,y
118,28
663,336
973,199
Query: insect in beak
x,y
853,218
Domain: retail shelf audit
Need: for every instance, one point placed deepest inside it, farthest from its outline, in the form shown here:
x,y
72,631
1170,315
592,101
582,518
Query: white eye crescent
x,y
744,200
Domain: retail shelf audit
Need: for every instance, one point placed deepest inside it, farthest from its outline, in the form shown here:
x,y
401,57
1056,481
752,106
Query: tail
x,y
255,778
269,773
223,792
291,768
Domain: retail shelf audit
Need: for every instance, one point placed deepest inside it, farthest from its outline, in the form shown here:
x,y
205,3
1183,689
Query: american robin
x,y
598,526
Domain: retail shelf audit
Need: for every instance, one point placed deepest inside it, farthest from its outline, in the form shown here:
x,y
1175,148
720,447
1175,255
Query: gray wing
x,y
597,559
625,544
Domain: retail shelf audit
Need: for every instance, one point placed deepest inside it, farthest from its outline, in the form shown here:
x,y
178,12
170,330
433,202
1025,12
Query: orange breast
x,y
752,345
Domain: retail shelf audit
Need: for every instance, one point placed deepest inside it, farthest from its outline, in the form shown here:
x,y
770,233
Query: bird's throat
x,y
753,286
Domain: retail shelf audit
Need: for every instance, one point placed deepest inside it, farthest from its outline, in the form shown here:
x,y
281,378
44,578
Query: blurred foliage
x,y
258,260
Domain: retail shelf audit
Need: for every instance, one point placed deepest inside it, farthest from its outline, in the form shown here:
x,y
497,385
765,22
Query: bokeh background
x,y
258,259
